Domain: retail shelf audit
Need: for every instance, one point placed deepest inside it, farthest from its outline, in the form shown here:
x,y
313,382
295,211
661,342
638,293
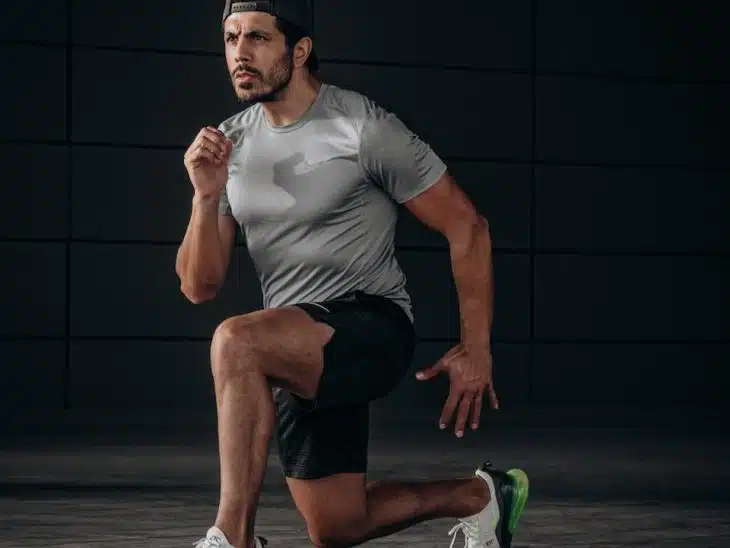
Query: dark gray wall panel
x,y
130,194
590,208
631,374
44,20
500,192
167,98
429,283
656,37
34,202
512,282
498,128
511,374
34,105
140,374
427,398
436,303
143,24
133,291
33,278
484,34
632,298
604,121
31,376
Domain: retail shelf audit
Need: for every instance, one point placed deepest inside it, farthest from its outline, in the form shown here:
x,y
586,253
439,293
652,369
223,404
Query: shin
x,y
245,424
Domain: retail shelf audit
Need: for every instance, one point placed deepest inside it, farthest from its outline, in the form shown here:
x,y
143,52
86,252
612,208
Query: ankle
x,y
479,494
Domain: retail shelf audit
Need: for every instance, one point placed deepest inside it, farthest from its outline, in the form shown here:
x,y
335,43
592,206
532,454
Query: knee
x,y
339,533
232,339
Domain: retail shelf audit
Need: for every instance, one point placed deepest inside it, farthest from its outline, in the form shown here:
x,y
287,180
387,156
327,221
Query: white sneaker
x,y
495,525
215,538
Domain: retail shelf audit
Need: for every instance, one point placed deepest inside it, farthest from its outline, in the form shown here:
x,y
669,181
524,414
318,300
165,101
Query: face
x,y
258,63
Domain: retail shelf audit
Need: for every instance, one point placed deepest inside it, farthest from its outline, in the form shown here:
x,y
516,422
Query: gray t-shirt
x,y
316,200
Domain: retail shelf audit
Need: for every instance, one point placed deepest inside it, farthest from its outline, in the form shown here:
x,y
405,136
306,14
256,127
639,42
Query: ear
x,y
302,50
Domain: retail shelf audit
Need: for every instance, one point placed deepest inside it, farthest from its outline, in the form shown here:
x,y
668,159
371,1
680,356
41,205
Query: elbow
x,y
478,232
480,227
198,293
199,297
472,233
483,223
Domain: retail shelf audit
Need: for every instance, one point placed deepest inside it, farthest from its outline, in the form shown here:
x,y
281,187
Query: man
x,y
312,174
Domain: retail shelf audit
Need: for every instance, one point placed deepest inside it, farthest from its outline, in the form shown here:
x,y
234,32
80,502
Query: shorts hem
x,y
291,473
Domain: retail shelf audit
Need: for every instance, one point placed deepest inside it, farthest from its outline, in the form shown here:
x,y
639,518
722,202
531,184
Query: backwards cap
x,y
296,12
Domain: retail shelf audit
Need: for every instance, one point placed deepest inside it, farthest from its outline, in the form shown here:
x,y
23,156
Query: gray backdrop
x,y
593,135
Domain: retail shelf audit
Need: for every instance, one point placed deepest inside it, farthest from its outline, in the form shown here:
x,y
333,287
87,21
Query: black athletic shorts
x,y
368,355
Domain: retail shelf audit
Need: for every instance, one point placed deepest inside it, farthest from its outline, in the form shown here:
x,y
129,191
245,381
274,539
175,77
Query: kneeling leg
x,y
343,510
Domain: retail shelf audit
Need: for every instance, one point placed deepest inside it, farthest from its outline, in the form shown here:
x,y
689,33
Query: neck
x,y
294,101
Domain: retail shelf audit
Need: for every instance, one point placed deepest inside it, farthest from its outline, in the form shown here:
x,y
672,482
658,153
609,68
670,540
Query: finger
x,y
430,372
449,407
493,399
212,136
214,144
463,413
476,410
216,149
200,144
201,155
213,133
451,354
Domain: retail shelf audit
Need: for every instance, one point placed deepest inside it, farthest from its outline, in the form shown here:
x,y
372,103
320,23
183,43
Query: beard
x,y
266,88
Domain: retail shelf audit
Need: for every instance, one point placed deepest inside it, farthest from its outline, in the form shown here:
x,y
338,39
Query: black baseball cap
x,y
296,12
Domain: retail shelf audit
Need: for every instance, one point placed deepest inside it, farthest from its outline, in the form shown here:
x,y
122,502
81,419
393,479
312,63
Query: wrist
x,y
476,344
207,199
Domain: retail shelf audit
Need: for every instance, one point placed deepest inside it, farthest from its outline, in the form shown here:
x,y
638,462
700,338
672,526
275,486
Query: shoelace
x,y
205,542
470,530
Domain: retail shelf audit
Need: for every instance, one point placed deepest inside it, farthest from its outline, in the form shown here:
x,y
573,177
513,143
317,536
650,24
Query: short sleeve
x,y
396,158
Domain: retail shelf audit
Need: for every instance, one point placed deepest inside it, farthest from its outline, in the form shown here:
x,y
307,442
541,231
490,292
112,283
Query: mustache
x,y
245,68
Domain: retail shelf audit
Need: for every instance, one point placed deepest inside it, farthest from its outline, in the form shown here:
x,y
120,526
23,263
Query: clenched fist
x,y
207,162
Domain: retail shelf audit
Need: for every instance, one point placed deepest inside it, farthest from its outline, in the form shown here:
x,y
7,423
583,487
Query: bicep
x,y
445,208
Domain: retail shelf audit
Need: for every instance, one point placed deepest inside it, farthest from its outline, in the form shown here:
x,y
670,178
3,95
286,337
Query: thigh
x,y
287,343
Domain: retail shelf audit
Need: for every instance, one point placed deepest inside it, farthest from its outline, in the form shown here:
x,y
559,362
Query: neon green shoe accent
x,y
520,492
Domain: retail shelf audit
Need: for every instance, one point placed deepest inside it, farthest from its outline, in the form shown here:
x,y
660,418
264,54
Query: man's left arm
x,y
445,208
408,169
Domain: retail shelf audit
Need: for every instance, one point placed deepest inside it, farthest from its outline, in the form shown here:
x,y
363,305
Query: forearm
x,y
200,263
471,262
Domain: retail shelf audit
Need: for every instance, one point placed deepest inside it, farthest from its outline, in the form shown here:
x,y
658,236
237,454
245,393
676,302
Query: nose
x,y
243,52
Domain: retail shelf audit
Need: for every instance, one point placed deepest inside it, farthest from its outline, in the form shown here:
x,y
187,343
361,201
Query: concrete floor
x,y
589,487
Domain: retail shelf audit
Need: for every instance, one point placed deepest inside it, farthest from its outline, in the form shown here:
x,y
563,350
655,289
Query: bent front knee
x,y
232,340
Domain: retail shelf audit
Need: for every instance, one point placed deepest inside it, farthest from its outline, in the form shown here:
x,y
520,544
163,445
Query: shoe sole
x,y
519,491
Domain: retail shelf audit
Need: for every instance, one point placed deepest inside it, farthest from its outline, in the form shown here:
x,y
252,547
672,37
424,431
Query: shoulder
x,y
362,110
240,123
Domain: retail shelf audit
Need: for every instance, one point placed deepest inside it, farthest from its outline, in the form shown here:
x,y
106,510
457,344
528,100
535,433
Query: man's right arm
x,y
205,253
